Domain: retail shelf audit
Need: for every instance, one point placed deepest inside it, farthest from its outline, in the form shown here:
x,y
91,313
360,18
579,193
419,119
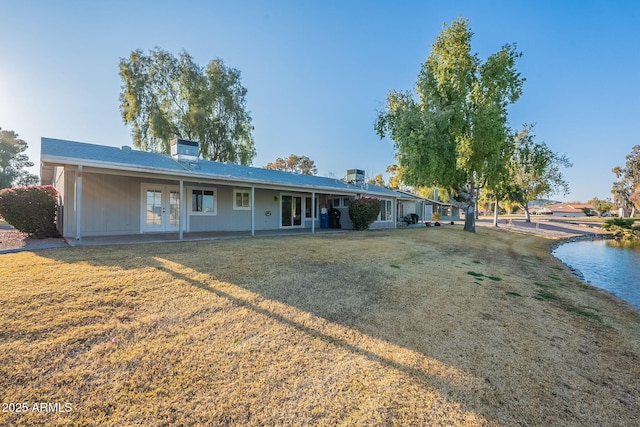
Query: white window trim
x,y
215,201
390,201
241,190
314,214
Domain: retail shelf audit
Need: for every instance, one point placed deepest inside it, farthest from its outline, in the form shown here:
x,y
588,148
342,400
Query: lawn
x,y
406,327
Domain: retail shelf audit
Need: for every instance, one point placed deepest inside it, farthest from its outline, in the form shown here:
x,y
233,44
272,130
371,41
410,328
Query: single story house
x,y
106,191
424,208
571,209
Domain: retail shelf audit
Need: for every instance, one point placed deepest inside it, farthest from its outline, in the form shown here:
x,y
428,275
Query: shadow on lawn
x,y
335,289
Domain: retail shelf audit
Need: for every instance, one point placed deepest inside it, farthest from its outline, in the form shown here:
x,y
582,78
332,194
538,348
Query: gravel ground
x,y
12,240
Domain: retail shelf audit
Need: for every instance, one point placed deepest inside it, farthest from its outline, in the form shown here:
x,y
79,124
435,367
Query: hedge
x,y
31,210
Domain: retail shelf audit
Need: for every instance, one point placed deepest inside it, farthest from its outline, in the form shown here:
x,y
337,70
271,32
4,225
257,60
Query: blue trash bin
x,y
324,218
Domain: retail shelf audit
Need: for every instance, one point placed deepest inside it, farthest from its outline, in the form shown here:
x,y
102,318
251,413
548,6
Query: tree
x,y
452,134
377,180
535,170
164,97
13,161
293,163
629,180
395,179
601,206
635,199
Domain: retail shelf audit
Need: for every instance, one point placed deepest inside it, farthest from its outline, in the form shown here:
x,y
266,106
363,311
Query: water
x,y
608,264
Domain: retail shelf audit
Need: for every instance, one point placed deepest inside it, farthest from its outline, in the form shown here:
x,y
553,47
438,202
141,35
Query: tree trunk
x,y
495,214
469,208
527,215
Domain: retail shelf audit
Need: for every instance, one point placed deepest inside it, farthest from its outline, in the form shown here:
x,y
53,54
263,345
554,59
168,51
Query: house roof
x,y
569,208
62,152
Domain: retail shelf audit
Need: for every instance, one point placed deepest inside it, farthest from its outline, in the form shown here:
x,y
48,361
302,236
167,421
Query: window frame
x,y
388,208
237,191
214,190
307,207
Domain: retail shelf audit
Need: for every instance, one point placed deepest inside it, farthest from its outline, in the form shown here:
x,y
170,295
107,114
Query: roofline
x,y
62,160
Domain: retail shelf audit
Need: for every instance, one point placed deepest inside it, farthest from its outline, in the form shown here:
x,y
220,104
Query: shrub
x,y
622,228
31,210
363,212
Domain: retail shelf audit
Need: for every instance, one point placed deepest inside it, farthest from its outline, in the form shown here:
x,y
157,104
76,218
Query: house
x,y
425,208
571,209
105,191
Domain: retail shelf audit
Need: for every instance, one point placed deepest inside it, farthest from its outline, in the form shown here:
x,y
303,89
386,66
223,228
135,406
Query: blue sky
x,y
317,73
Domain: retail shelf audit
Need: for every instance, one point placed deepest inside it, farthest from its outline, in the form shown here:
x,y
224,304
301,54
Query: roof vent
x,y
184,149
125,148
355,176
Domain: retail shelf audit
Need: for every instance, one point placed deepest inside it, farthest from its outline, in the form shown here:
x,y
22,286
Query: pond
x,y
607,264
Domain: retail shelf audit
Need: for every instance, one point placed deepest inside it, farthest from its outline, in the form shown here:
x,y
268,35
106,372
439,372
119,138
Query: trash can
x,y
334,218
324,218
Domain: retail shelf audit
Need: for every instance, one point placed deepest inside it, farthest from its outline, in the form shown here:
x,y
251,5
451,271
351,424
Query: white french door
x,y
160,208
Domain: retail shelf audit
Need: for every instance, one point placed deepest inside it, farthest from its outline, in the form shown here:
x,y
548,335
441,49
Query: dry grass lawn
x,y
406,327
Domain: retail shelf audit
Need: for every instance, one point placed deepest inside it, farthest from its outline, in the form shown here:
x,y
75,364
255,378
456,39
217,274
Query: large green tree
x,y
452,132
534,170
164,97
294,163
13,161
629,180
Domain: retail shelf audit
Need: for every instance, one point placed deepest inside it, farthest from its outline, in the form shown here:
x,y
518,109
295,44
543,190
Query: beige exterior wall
x,y
113,205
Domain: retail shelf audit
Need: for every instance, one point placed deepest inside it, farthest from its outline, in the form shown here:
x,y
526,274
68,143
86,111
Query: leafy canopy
x,y
293,163
164,97
13,161
626,191
453,133
535,170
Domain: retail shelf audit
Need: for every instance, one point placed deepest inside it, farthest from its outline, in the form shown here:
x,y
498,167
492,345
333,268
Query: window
x,y
241,199
307,208
386,210
335,203
346,201
203,201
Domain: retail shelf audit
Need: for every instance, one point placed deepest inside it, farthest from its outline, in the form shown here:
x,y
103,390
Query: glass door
x,y
291,209
161,208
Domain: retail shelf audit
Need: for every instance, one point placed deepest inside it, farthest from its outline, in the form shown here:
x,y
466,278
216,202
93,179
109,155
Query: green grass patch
x,y
513,294
585,312
542,295
542,285
480,276
394,266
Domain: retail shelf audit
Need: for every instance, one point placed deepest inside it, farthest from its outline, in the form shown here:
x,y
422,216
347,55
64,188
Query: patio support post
x,y
313,212
253,211
181,210
79,203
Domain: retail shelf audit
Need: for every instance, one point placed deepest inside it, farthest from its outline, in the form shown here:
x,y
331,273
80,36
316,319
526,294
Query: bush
x,y
623,228
363,212
31,210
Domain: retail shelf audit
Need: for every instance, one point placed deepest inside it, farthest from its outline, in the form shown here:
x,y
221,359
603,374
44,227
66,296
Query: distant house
x,y
571,209
108,191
